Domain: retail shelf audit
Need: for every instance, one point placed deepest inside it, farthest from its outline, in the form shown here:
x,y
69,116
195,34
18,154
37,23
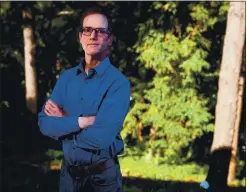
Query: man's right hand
x,y
52,109
84,122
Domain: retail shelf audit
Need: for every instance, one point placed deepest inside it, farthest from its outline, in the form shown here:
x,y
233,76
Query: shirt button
x,y
81,98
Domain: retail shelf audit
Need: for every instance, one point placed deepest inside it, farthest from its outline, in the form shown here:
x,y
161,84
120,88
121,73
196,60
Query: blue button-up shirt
x,y
103,92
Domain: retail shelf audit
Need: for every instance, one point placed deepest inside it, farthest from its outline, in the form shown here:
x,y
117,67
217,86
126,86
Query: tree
x,y
233,160
227,97
29,63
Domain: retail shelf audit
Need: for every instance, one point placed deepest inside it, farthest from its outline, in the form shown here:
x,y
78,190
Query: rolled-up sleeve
x,y
109,119
56,127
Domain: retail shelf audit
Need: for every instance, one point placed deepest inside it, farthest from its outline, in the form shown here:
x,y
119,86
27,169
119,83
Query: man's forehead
x,y
96,21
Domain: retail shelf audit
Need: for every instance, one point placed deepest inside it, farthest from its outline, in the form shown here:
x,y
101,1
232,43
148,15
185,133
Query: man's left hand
x,y
52,109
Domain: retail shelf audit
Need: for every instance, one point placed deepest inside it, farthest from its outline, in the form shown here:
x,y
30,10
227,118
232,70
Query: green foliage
x,y
240,166
4,6
41,6
172,107
54,154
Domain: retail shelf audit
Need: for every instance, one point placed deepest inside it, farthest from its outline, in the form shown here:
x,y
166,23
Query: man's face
x,y
95,43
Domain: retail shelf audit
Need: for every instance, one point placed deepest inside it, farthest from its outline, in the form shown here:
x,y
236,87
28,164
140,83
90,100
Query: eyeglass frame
x,y
97,31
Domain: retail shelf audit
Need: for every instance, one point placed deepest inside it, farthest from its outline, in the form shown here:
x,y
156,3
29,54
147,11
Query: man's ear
x,y
111,39
79,35
79,31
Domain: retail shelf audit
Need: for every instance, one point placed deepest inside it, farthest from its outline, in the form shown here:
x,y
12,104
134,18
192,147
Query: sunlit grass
x,y
193,172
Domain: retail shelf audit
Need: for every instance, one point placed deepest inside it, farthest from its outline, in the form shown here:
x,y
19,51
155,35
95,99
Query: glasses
x,y
99,31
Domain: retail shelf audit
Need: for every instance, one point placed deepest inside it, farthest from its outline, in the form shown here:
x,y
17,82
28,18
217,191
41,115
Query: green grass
x,y
135,167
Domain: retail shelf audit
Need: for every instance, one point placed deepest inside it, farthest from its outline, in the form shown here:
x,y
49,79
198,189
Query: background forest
x,y
170,51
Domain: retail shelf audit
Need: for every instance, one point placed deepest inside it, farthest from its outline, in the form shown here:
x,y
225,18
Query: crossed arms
x,y
52,109
93,132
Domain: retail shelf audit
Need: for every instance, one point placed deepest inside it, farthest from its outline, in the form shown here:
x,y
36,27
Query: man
x,y
86,111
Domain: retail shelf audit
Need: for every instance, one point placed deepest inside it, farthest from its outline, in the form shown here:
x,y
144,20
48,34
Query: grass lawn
x,y
138,167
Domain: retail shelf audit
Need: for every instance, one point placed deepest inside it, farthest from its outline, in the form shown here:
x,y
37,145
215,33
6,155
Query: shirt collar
x,y
100,68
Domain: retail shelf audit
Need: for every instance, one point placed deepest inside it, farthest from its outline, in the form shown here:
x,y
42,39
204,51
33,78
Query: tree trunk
x,y
30,69
233,161
226,108
227,98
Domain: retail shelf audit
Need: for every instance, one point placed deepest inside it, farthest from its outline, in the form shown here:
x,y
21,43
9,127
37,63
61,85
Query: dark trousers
x,y
109,180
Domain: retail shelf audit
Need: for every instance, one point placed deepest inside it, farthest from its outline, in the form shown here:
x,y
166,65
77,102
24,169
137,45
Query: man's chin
x,y
93,53
96,53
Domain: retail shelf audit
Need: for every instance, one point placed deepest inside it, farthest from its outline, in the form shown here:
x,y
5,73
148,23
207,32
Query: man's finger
x,y
50,112
47,104
50,108
47,112
53,104
91,119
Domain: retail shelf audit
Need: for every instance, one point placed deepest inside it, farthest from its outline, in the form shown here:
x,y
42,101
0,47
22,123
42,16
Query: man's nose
x,y
93,35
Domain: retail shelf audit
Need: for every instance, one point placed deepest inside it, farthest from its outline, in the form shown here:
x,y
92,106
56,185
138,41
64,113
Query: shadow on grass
x,y
20,175
148,185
